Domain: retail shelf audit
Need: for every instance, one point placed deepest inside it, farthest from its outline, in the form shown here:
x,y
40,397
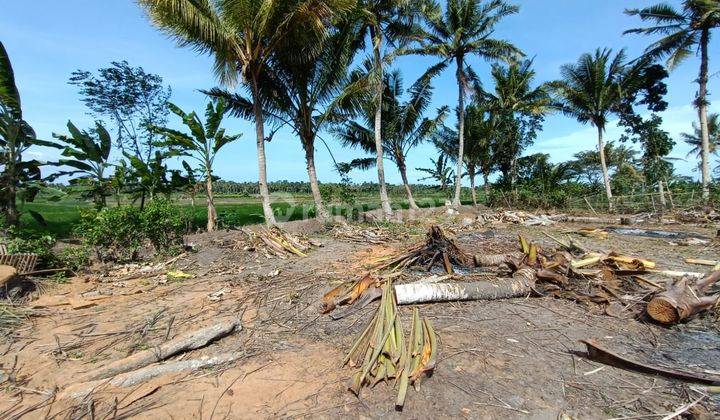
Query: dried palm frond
x,y
274,242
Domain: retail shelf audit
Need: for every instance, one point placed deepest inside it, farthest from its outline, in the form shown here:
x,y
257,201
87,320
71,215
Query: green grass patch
x,y
62,217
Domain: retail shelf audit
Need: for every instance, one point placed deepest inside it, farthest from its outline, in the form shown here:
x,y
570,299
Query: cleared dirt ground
x,y
517,358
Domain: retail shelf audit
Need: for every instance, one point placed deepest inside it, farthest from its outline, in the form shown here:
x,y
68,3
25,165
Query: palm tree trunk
x,y
603,164
262,166
320,210
403,174
486,188
377,48
211,213
461,132
702,112
471,174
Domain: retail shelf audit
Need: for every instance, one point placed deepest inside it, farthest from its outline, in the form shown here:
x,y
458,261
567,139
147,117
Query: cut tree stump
x,y
7,273
188,341
519,285
681,300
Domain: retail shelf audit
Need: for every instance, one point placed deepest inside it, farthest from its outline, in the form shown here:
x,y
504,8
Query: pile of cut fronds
x,y
381,353
275,242
586,276
438,248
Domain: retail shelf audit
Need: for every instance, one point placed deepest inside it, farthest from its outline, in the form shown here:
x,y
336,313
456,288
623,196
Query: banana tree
x,y
18,177
202,144
87,154
441,171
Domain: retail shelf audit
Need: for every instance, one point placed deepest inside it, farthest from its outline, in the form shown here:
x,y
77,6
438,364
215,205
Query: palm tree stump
x,y
681,300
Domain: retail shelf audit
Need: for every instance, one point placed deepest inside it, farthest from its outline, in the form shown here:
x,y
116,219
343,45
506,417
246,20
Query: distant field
x,y
61,217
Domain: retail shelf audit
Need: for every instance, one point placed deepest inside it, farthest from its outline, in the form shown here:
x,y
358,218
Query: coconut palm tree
x,y
242,36
202,145
403,125
466,28
304,95
694,139
515,98
590,91
478,155
391,22
682,32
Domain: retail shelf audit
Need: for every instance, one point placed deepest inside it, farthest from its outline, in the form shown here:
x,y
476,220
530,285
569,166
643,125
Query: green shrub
x,y
115,233
118,233
25,242
163,224
74,257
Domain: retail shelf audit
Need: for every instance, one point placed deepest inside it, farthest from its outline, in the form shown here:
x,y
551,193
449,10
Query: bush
x,y
118,233
163,225
24,242
115,233
74,257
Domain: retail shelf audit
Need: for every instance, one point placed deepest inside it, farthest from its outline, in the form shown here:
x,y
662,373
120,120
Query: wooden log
x,y
681,300
135,377
519,285
188,341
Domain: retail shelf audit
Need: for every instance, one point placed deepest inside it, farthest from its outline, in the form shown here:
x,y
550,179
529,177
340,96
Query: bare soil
x,y
517,358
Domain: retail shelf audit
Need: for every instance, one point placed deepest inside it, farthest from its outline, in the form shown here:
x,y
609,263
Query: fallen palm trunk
x,y
600,354
147,373
681,300
189,341
519,285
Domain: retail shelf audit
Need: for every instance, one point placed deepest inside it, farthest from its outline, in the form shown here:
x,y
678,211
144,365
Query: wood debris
x,y
272,242
188,341
438,249
517,217
595,351
375,235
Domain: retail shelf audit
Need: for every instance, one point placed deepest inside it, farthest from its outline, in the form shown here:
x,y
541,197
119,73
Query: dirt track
x,y
498,359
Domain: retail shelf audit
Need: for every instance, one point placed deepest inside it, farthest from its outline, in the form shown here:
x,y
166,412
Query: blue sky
x,y
47,40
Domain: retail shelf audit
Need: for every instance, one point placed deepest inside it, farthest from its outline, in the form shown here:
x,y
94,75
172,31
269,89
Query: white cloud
x,y
676,120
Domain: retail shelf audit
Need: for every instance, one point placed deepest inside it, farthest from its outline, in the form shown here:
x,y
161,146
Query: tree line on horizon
x,y
299,64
